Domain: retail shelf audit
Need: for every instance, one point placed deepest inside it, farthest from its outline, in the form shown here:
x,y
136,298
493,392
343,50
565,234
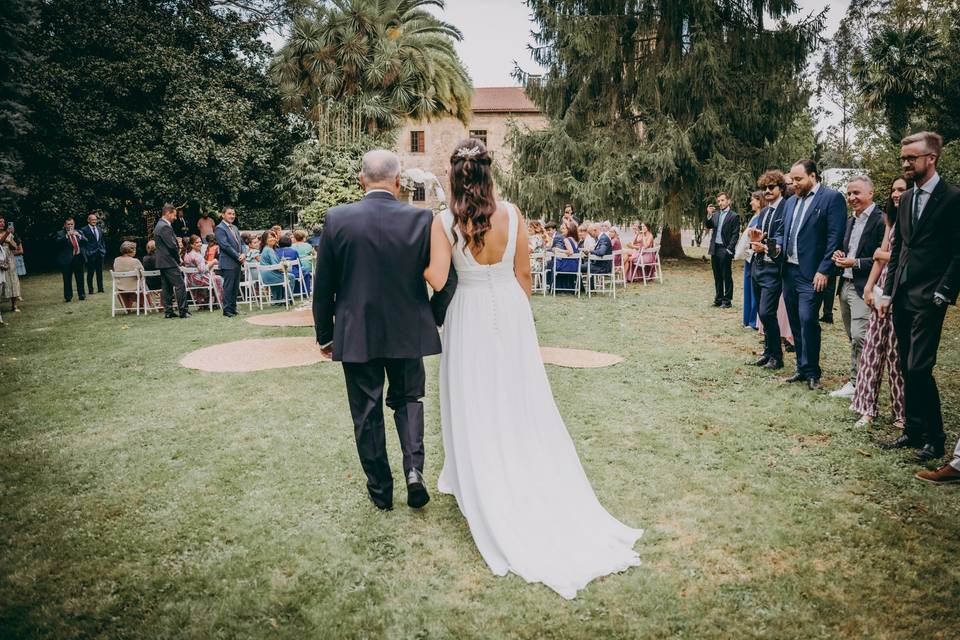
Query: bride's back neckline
x,y
506,216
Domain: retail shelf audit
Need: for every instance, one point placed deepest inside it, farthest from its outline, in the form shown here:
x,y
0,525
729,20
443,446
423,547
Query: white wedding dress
x,y
508,457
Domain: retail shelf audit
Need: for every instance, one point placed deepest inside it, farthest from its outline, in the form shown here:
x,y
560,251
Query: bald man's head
x,y
381,170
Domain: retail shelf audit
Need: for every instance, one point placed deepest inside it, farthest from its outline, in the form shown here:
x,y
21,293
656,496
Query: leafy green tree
x,y
654,104
360,67
15,60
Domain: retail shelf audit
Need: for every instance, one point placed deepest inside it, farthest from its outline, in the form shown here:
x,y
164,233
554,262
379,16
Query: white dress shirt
x,y
797,222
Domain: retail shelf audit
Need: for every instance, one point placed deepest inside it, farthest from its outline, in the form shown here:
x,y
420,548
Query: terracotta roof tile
x,y
502,100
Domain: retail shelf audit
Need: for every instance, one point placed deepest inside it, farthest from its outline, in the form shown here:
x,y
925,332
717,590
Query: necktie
x,y
795,226
916,204
76,246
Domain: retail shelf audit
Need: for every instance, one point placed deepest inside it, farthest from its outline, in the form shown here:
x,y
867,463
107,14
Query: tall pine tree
x,y
653,104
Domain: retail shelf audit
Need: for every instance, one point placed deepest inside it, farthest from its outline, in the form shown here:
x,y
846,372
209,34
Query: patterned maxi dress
x,y
879,352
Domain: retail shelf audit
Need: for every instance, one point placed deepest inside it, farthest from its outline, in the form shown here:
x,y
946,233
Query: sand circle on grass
x,y
295,318
259,354
578,358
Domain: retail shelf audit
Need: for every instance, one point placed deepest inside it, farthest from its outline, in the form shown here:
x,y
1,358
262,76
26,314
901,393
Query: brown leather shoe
x,y
944,475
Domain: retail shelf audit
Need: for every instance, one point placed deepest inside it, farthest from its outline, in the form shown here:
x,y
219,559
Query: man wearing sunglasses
x,y
925,268
765,270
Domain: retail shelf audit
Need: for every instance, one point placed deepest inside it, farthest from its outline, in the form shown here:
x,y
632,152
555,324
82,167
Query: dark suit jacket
x,y
180,227
65,247
150,264
95,247
229,243
730,232
767,274
870,241
168,253
604,248
369,295
929,251
820,234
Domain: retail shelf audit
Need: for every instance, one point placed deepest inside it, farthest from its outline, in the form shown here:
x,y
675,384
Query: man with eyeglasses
x,y
765,269
925,268
812,231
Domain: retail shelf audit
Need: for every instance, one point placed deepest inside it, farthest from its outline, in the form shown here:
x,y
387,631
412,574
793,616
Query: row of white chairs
x,y
595,279
252,288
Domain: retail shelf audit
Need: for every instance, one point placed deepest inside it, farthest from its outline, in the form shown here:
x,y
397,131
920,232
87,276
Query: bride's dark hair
x,y
471,191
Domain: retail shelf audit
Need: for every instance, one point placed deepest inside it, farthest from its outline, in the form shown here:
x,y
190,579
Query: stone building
x,y
427,145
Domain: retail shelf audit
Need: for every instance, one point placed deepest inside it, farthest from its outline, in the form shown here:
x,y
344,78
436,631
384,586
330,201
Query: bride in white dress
x,y
509,460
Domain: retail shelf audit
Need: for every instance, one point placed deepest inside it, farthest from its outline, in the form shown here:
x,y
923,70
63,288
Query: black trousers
x,y
722,275
769,302
171,280
73,271
829,296
95,267
231,289
365,394
918,335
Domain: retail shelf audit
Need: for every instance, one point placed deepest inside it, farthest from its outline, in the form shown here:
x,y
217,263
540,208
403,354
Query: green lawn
x,y
139,499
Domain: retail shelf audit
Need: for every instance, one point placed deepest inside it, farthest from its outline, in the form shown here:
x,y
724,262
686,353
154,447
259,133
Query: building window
x,y
417,142
419,193
479,134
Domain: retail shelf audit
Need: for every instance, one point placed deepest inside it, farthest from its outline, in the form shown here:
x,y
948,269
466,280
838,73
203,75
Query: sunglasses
x,y
770,187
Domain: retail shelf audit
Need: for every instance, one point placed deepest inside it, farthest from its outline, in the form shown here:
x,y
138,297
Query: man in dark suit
x,y
231,259
179,224
723,243
372,314
923,279
604,247
765,268
94,252
168,263
70,246
854,260
812,231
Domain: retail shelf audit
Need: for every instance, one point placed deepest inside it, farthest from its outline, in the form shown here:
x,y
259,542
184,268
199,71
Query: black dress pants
x,y
171,280
918,335
231,289
769,301
365,393
73,272
722,263
95,268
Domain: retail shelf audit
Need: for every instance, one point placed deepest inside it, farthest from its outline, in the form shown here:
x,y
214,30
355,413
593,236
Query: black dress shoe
x,y
826,319
186,314
380,505
797,377
774,364
762,362
228,314
903,442
814,384
726,305
717,303
170,315
417,495
929,452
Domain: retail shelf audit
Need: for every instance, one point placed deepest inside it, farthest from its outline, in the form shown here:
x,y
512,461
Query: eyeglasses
x,y
912,159
770,187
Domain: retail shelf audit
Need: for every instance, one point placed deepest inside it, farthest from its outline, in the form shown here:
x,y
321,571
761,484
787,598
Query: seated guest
x,y
554,235
614,235
211,254
154,283
564,269
276,230
315,234
286,252
601,247
305,252
193,258
535,235
269,257
128,286
587,241
253,248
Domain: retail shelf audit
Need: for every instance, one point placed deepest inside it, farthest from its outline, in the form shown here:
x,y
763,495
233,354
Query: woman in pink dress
x,y
640,261
193,258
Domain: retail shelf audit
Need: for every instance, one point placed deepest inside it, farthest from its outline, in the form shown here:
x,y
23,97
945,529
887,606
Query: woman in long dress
x,y
508,458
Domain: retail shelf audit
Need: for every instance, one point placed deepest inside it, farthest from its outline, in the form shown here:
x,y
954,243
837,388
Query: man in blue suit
x,y
604,247
765,269
231,259
94,252
812,231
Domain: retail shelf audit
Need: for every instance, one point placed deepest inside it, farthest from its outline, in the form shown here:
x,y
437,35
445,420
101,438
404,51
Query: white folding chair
x,y
538,272
652,270
267,289
620,271
248,285
147,295
601,279
116,291
576,275
210,288
302,289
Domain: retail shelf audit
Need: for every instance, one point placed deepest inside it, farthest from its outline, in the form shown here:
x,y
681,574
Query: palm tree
x,y
363,66
897,73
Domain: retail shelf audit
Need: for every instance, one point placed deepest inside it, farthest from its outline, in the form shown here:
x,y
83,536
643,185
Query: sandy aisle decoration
x,y
255,355
296,318
578,358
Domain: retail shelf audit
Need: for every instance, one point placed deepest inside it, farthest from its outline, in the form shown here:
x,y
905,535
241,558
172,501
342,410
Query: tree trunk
x,y
670,243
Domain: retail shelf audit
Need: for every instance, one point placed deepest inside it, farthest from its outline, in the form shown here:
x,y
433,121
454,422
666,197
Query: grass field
x,y
139,499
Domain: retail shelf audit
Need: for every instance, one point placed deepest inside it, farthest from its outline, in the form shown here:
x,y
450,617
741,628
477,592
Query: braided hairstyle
x,y
471,186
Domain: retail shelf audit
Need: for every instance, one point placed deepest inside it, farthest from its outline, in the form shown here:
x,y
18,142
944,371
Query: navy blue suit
x,y
820,234
228,238
94,251
766,276
604,248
